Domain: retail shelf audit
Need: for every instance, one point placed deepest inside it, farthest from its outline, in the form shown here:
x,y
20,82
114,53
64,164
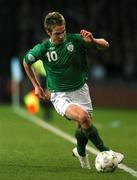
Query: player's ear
x,y
48,32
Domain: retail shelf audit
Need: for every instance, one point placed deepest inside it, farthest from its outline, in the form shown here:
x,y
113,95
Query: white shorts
x,y
81,97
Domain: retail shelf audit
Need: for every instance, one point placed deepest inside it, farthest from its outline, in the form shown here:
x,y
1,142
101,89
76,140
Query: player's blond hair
x,y
52,19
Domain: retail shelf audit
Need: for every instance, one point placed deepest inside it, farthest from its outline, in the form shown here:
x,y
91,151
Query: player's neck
x,y
54,43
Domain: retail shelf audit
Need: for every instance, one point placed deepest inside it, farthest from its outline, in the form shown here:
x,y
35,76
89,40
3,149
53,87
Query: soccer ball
x,y
106,161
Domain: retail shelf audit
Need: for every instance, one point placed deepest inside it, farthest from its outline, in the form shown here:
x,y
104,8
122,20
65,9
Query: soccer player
x,y
64,59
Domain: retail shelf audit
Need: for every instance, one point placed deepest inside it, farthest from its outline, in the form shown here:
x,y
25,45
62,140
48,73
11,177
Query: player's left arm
x,y
89,38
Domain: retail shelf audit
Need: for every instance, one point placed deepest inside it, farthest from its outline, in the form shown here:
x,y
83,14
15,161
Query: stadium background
x,y
113,72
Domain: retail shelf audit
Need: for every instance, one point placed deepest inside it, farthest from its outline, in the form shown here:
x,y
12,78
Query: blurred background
x,y
112,72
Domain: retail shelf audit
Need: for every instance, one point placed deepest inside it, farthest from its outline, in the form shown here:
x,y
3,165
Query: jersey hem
x,y
65,90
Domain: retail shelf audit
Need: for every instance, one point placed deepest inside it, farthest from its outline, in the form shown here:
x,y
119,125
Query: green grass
x,y
29,152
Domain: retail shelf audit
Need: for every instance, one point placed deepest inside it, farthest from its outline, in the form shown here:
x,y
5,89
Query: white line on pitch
x,y
64,135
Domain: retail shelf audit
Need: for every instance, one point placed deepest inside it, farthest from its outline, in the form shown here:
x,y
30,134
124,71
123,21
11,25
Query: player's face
x,y
58,34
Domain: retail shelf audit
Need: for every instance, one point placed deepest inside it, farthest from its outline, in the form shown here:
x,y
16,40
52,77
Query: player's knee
x,y
83,117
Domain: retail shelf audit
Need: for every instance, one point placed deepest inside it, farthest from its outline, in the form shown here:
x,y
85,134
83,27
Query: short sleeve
x,y
33,55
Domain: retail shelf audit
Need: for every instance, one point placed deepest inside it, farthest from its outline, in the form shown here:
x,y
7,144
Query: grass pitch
x,y
29,152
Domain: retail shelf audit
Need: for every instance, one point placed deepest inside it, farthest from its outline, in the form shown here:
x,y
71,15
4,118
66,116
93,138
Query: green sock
x,y
93,135
81,142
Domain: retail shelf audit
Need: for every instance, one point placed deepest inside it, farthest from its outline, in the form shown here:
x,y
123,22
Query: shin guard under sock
x,y
81,142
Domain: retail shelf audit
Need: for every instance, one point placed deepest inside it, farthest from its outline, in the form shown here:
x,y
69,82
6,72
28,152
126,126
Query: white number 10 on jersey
x,y
52,56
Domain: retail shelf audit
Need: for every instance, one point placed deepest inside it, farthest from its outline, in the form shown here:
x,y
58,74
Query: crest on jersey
x,y
70,47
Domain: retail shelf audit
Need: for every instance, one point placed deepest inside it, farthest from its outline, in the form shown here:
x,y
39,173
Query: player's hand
x,y
41,93
86,35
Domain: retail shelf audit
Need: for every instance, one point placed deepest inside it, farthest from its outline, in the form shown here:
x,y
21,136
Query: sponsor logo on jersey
x,y
70,47
31,57
52,48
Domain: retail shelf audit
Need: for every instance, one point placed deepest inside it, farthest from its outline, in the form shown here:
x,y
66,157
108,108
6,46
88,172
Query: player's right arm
x,y
31,57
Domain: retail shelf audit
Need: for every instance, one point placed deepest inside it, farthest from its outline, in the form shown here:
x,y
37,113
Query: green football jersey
x,y
65,64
